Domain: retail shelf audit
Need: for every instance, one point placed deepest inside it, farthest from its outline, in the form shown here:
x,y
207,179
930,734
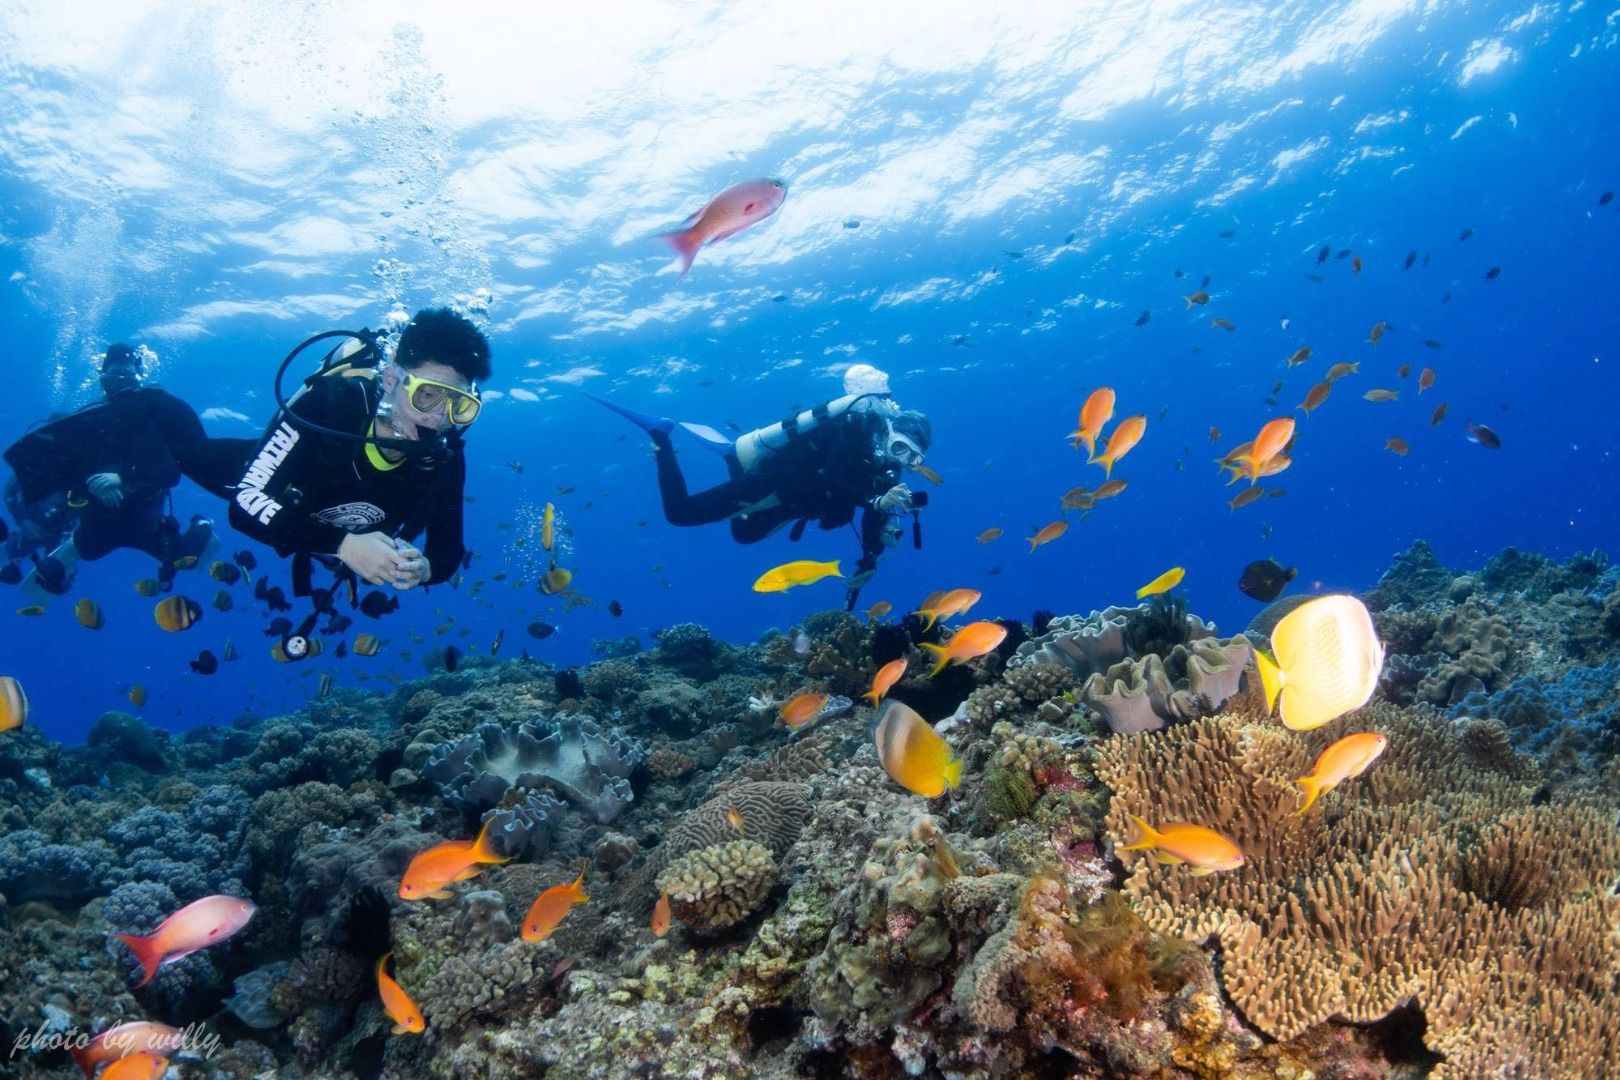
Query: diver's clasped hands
x,y
380,560
897,500
107,488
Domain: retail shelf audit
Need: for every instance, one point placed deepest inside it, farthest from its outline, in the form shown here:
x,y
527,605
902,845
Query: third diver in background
x,y
821,465
116,461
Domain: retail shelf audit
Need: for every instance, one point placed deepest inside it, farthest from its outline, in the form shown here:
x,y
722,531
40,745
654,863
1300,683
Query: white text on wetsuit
x,y
250,495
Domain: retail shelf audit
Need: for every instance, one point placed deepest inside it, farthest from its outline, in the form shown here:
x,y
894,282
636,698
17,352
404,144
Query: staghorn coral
x,y
1428,878
716,887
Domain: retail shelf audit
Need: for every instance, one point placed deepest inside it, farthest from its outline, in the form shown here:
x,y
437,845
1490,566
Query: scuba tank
x,y
865,388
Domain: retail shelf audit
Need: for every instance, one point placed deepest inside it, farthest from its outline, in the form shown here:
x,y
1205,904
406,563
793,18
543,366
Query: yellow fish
x,y
548,527
929,474
367,644
88,612
799,572
176,613
1344,760
13,704
1328,657
1205,850
33,611
555,580
148,586
914,754
1163,583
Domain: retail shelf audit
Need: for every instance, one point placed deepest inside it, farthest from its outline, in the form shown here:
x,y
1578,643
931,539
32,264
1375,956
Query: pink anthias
x,y
727,214
198,925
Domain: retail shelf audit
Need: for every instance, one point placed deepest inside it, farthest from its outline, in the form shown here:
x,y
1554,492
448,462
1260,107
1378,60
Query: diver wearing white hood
x,y
821,465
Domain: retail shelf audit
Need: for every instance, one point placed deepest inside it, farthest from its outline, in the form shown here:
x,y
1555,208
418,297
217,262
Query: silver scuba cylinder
x,y
757,445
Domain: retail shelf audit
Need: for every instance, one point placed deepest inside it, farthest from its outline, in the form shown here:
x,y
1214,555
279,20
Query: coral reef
x,y
1425,879
1143,667
712,888
569,755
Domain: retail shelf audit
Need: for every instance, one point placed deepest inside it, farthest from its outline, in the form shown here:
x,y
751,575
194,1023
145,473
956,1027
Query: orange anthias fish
x,y
734,818
136,1037
878,610
974,639
989,535
1341,369
550,907
1381,395
886,676
727,214
1205,850
1048,534
944,605
1272,438
396,1002
1199,297
1097,411
1425,379
1376,332
1245,497
1397,445
1344,760
198,925
802,709
432,872
1439,413
142,1066
1301,354
1315,396
660,916
1224,324
1126,435
1108,489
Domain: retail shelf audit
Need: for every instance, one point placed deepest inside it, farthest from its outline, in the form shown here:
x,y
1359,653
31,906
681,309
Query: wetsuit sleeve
x,y
212,464
444,547
287,460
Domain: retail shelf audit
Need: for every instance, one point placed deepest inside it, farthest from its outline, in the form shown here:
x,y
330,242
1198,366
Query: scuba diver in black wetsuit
x,y
822,465
364,458
116,461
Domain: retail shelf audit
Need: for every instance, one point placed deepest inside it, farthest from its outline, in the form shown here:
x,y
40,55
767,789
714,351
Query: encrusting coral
x,y
718,886
1428,878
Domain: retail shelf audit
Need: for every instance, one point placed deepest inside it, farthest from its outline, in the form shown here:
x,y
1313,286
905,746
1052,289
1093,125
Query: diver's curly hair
x,y
442,335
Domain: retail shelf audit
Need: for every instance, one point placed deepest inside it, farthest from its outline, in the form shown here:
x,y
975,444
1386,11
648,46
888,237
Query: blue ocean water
x,y
983,208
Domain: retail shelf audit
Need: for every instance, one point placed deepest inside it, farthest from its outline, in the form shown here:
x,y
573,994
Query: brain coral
x,y
1427,879
718,886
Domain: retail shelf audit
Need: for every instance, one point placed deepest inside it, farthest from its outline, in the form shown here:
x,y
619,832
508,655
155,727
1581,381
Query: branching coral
x,y
718,886
1427,878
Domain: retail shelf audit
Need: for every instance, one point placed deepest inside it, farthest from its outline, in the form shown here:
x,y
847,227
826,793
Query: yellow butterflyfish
x,y
914,754
1327,660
